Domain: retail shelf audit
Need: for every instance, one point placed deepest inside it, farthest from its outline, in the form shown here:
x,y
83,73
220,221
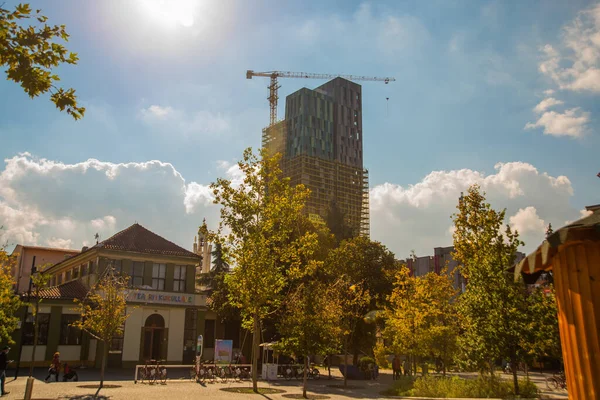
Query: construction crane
x,y
273,97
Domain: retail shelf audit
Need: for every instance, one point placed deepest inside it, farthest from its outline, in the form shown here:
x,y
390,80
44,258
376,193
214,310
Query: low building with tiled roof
x,y
166,313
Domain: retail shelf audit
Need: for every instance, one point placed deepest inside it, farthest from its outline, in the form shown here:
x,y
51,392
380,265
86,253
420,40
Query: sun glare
x,y
171,12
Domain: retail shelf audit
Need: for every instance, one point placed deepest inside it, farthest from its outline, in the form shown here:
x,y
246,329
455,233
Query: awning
x,y
587,228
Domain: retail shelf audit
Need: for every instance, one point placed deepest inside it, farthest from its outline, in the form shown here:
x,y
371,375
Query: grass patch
x,y
308,396
444,387
248,390
97,386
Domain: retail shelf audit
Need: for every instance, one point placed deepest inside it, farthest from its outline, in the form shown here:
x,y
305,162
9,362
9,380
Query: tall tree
x,y
421,316
30,53
39,281
493,307
9,301
544,338
103,312
373,266
310,323
259,219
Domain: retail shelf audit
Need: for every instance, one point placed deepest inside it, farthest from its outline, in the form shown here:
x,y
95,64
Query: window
x,y
53,281
118,266
209,334
76,272
69,335
68,276
84,270
28,332
137,274
159,272
59,279
189,332
179,278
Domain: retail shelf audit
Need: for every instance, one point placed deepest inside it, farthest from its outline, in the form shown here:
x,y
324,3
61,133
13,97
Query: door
x,y
154,338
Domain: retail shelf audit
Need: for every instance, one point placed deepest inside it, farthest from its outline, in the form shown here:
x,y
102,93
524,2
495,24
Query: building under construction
x,y
321,145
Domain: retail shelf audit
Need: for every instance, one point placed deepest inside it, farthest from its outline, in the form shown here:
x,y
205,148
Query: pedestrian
x,y
69,373
406,367
54,367
327,364
3,364
396,367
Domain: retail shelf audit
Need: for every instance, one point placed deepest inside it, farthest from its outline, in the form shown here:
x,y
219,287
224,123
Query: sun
x,y
171,12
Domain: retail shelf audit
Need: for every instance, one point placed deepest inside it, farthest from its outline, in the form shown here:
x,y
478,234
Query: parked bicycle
x,y
557,381
152,372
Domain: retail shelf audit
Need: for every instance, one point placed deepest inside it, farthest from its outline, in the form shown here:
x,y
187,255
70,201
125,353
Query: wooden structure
x,y
573,255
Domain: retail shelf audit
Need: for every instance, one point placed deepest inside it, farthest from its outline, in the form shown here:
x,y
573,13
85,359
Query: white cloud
x,y
172,119
48,202
156,112
546,104
527,220
575,63
60,243
548,92
418,216
572,122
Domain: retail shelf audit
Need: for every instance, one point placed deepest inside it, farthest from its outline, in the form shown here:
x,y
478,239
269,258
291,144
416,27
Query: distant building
x,y
442,258
29,257
321,145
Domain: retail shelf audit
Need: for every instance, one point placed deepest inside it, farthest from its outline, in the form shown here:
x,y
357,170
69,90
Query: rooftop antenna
x,y
387,106
96,236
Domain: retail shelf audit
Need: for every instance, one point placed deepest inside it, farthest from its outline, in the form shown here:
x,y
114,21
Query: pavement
x,y
178,387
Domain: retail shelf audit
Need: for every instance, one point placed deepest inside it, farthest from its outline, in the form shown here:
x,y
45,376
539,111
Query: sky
x,y
499,93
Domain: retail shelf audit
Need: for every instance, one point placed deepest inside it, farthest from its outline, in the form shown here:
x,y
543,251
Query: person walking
x,y
3,364
406,367
396,367
54,367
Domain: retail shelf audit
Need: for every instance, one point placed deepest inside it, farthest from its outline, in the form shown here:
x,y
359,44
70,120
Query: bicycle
x,y
223,373
147,372
557,381
241,374
198,373
160,374
313,373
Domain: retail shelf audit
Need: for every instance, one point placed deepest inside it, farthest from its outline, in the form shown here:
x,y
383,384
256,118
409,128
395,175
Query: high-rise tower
x,y
321,143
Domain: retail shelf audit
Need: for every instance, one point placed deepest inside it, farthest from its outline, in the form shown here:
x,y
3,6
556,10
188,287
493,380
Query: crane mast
x,y
274,85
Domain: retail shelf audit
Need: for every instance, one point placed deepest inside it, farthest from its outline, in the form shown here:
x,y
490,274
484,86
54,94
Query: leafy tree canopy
x,y
29,54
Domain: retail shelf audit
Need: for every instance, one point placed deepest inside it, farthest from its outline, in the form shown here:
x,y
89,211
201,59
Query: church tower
x,y
204,249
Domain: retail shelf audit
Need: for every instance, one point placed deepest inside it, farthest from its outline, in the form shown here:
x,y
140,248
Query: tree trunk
x,y
255,352
36,332
514,372
345,361
103,367
305,380
414,365
329,365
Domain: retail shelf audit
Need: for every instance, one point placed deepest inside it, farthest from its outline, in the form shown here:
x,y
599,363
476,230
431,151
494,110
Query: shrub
x,y
381,355
444,387
363,362
400,387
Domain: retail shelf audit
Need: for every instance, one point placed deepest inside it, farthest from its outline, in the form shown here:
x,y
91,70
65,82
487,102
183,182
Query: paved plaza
x,y
183,389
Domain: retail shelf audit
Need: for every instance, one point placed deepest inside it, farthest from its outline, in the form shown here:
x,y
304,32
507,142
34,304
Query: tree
x,y
354,298
9,301
373,266
311,321
30,53
421,316
257,228
216,289
493,307
39,281
544,338
103,312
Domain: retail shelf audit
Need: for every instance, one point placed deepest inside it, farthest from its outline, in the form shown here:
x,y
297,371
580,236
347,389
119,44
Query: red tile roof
x,y
138,239
66,291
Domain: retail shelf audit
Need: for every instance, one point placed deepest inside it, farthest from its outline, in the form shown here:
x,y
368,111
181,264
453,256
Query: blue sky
x,y
468,77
